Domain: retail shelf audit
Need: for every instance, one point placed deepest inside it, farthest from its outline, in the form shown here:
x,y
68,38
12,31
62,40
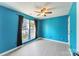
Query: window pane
x,y
25,30
32,29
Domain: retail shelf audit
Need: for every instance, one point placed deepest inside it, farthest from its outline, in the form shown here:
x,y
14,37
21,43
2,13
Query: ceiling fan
x,y
44,10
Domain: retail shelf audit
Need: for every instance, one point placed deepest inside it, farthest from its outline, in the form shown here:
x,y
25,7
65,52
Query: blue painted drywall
x,y
54,28
9,28
73,15
0,28
9,25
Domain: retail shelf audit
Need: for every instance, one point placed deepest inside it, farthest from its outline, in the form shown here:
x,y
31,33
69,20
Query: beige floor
x,y
42,48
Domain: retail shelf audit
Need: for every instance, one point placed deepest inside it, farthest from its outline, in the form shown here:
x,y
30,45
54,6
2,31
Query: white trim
x,y
70,52
69,30
77,44
39,38
11,50
77,51
54,40
59,42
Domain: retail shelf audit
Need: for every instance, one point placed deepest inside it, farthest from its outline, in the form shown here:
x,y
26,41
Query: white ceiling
x,y
62,8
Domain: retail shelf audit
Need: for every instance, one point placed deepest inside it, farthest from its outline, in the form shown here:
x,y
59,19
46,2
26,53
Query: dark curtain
x,y
36,25
19,34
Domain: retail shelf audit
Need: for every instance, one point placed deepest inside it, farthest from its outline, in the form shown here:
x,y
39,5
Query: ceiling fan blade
x,y
44,14
37,11
48,12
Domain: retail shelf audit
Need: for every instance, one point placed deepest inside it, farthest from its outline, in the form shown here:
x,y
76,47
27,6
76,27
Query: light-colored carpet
x,y
42,48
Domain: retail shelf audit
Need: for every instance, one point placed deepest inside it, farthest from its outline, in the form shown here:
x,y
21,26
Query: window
x,y
28,30
32,29
25,30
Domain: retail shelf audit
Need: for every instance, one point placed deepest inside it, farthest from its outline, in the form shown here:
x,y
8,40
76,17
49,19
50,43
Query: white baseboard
x,y
59,42
77,51
37,39
70,52
55,40
11,50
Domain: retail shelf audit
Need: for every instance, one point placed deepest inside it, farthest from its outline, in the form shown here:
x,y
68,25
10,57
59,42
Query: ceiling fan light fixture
x,y
44,11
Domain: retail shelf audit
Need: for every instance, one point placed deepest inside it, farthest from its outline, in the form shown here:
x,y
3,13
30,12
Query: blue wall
x,y
0,29
54,28
73,15
9,27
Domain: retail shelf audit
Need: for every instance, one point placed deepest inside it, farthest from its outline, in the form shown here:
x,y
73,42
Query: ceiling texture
x,y
61,8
